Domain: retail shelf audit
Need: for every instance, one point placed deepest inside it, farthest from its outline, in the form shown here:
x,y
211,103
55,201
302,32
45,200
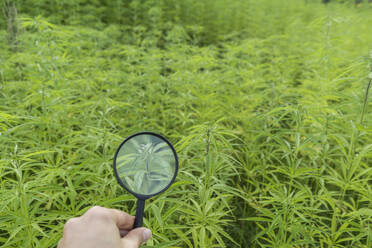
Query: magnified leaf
x,y
146,164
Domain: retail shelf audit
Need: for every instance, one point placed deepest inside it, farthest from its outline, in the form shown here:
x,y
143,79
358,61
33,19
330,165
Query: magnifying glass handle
x,y
139,213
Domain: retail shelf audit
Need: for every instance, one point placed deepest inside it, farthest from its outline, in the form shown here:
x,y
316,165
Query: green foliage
x,y
266,101
200,22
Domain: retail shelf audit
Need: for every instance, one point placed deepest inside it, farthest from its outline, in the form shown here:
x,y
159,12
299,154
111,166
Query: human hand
x,y
102,227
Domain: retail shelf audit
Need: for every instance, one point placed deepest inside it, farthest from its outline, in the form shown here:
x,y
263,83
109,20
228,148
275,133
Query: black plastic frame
x,y
140,196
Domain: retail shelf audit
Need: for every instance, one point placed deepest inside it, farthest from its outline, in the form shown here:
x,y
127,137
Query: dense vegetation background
x,y
266,101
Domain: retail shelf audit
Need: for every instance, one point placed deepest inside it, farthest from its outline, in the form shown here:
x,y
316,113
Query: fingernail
x,y
146,234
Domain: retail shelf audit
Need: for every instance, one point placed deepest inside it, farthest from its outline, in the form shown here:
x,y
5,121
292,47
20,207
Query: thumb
x,y
136,237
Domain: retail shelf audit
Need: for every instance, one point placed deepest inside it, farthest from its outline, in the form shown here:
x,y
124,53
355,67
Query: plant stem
x,y
365,101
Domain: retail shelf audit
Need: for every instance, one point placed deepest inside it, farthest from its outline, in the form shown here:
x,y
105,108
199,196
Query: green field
x,y
266,102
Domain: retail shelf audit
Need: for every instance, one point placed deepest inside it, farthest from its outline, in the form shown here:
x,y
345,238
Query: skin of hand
x,y
103,227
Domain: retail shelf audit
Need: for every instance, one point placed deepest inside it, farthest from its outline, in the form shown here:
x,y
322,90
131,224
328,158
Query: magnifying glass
x,y
145,164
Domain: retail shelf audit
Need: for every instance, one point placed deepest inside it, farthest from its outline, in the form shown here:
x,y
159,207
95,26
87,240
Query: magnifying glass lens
x,y
146,164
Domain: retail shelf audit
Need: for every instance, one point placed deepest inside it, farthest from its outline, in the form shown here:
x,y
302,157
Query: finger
x,y
123,232
136,237
60,243
122,219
